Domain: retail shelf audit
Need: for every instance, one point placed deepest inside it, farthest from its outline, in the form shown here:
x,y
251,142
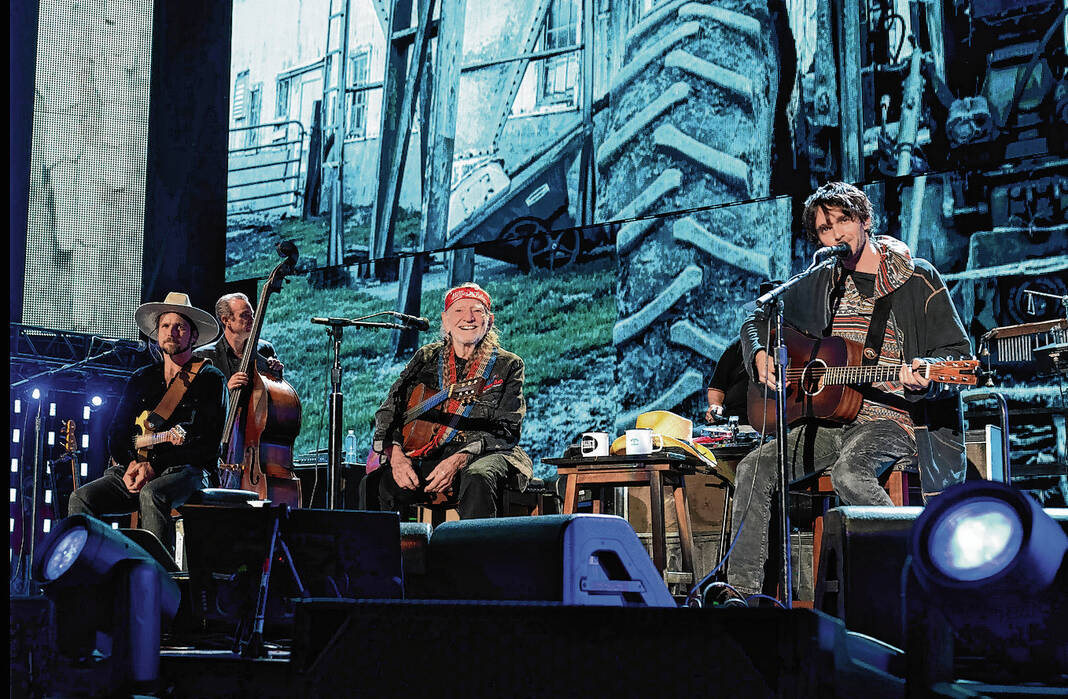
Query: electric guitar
x,y
821,373
148,439
70,447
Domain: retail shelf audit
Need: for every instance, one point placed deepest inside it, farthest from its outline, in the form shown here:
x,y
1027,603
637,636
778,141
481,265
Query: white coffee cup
x,y
640,441
595,444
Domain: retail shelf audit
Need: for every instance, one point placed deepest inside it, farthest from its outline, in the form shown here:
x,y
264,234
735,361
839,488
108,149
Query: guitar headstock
x,y
70,440
962,372
466,392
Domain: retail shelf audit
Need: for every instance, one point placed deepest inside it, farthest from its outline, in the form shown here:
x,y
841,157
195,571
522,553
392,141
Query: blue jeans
x,y
856,454
170,489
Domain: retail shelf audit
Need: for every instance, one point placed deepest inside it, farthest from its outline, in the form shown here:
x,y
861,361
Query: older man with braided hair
x,y
473,448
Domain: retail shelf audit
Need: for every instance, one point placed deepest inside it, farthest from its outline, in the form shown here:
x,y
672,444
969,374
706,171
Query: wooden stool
x,y
637,472
532,499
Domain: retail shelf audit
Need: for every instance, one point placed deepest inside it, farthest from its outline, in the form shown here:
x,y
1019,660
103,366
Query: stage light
x,y
18,406
51,410
85,413
51,439
993,567
85,440
111,597
97,401
14,464
35,394
15,435
982,535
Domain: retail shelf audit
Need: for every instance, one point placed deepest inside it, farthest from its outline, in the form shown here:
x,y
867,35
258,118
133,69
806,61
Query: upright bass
x,y
263,417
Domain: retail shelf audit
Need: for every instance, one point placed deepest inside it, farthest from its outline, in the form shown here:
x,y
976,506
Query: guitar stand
x,y
253,646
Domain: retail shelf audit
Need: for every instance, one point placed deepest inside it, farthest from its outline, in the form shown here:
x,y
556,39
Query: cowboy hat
x,y
677,433
147,316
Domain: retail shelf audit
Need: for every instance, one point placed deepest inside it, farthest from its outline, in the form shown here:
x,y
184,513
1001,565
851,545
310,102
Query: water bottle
x,y
350,447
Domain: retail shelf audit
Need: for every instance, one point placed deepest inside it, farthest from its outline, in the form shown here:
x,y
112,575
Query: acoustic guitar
x,y
418,433
148,439
821,373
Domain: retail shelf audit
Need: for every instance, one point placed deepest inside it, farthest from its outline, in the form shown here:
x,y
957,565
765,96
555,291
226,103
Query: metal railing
x,y
265,175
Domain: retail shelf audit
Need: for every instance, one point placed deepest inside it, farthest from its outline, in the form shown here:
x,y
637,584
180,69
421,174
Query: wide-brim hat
x,y
677,433
147,316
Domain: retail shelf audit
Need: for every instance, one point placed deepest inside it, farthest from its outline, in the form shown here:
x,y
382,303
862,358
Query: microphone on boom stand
x,y
840,250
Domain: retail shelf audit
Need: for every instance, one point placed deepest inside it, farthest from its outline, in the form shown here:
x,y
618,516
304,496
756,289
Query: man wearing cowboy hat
x,y
473,448
171,472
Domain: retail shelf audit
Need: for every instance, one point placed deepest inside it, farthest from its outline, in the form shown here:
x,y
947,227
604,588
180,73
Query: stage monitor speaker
x,y
862,568
155,548
592,560
337,553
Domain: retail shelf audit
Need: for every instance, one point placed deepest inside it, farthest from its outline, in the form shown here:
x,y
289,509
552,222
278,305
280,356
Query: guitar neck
x,y
423,406
844,375
149,440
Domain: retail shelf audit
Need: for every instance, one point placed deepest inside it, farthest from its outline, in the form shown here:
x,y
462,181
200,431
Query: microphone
x,y
413,322
135,345
840,250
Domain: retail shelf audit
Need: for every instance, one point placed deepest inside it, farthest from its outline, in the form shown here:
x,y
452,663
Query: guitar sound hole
x,y
812,377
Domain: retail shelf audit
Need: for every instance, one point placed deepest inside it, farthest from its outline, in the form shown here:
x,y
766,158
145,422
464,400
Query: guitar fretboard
x,y
149,440
420,408
843,375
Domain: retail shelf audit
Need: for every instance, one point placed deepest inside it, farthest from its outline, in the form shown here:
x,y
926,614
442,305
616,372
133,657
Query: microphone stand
x,y
767,304
114,349
335,329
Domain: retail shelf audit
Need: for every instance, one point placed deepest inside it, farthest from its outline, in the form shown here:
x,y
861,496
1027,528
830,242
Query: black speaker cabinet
x,y
594,560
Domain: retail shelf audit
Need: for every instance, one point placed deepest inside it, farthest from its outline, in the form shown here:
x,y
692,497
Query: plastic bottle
x,y
350,447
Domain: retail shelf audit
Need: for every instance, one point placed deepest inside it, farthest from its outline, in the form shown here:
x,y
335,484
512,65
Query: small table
x,y
649,470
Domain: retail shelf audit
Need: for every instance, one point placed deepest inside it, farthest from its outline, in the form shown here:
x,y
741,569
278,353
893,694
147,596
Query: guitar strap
x,y
873,347
873,343
467,408
162,412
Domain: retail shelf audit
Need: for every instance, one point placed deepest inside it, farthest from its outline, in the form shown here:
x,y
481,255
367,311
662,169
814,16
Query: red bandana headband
x,y
466,292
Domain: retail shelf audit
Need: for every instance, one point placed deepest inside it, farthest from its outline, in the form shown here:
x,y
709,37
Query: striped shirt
x,y
851,322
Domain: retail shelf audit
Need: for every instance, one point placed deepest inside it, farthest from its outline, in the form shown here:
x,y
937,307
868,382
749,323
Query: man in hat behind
x,y
179,392
472,448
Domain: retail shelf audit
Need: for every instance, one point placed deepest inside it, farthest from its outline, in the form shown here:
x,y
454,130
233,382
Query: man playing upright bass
x,y
235,313
470,448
